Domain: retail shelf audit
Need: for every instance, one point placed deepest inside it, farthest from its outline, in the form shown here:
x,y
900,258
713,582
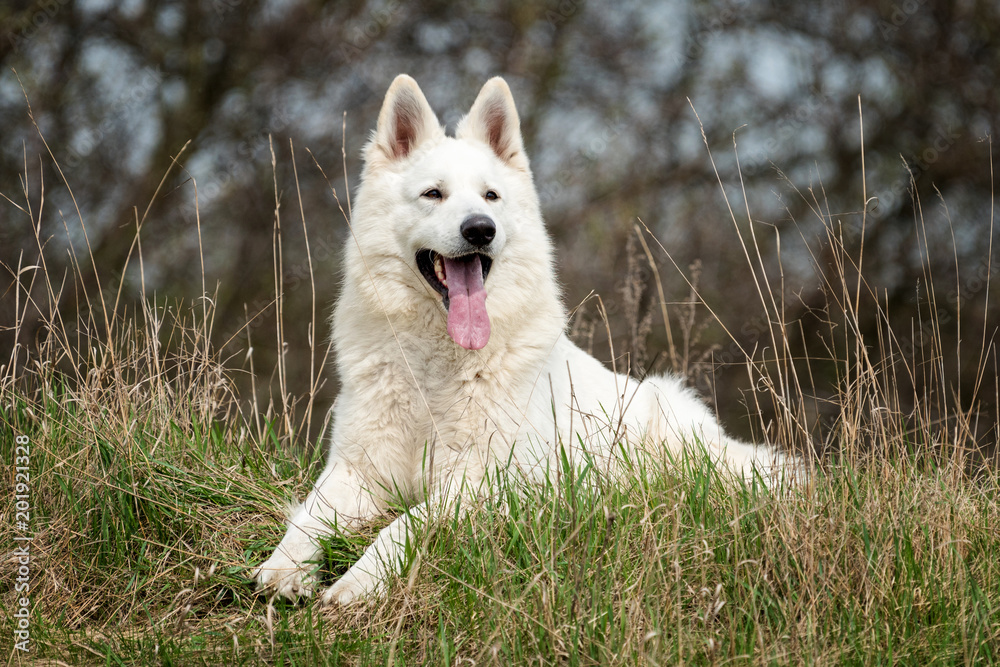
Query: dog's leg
x,y
384,557
387,554
340,499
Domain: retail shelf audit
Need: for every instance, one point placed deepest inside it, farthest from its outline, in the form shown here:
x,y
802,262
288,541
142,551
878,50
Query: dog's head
x,y
451,206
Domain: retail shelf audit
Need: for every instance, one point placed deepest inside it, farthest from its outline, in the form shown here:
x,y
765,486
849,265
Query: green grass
x,y
143,544
155,489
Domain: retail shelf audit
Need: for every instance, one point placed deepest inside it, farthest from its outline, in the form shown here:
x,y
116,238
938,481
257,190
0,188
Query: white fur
x,y
418,414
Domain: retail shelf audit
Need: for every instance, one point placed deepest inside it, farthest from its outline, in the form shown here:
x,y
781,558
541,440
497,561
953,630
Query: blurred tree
x,y
606,98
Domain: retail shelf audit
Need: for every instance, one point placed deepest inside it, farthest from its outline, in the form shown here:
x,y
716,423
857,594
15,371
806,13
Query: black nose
x,y
478,230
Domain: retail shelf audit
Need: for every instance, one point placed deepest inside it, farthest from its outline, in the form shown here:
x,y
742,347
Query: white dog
x,y
451,349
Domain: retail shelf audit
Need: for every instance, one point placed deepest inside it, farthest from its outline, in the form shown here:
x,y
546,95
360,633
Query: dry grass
x,y
154,488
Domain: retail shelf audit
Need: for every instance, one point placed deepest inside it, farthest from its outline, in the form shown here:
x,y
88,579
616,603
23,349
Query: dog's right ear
x,y
406,120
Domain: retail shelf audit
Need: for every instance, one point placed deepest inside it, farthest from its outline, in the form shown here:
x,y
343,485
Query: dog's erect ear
x,y
406,120
493,120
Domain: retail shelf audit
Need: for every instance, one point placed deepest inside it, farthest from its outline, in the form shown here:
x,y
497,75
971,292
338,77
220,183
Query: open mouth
x,y
434,269
459,281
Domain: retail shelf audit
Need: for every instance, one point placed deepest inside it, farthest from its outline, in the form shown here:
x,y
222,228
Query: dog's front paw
x,y
284,577
352,587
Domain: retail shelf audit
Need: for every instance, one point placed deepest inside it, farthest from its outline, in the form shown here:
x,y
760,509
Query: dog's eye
x,y
491,195
433,193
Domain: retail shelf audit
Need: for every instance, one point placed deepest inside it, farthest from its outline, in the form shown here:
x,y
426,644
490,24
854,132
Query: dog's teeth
x,y
439,270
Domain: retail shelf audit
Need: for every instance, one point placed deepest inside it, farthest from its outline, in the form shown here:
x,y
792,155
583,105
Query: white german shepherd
x,y
451,348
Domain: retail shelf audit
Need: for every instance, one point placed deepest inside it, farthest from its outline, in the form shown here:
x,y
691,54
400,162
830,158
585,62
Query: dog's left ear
x,y
494,121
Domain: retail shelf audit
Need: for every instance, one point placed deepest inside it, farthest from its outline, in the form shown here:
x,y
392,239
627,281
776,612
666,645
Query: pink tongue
x,y
468,323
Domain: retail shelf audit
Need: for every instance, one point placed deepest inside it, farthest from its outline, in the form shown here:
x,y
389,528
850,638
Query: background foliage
x,y
606,96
